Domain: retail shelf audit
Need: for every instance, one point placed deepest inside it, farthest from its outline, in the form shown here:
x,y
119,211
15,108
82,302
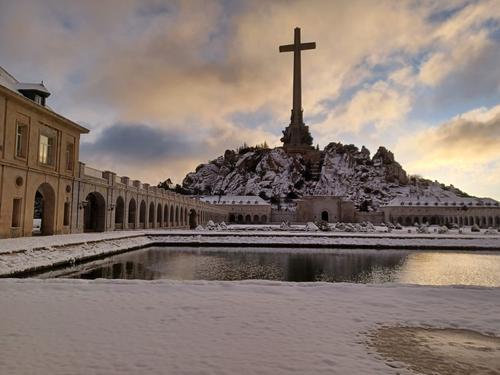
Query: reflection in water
x,y
450,268
355,266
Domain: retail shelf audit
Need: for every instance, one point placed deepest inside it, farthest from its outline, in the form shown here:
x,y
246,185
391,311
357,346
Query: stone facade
x,y
462,212
41,178
242,209
328,208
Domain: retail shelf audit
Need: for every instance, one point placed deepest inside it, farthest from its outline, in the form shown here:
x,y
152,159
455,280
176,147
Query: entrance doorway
x,y
324,216
119,213
94,214
192,219
44,210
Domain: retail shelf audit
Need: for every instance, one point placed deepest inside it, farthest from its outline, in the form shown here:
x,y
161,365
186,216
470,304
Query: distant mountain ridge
x,y
340,170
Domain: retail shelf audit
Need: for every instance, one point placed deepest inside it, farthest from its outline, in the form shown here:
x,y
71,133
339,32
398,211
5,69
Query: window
x,y
16,212
66,214
38,99
21,140
46,150
70,152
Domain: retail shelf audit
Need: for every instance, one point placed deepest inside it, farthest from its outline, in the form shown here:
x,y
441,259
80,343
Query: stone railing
x,y
92,172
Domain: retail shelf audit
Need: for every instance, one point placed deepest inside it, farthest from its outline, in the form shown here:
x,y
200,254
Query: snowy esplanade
x,y
254,327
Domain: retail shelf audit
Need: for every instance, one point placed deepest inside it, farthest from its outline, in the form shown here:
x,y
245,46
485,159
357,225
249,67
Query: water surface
x,y
353,266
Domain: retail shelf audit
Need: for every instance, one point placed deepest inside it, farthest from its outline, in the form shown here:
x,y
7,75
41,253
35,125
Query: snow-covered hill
x,y
345,171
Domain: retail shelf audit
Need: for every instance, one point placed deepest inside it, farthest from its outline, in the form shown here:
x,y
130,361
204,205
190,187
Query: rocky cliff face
x,y
344,170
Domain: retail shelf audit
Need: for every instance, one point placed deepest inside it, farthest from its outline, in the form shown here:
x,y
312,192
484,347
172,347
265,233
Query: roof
x,y
443,202
234,199
8,81
40,87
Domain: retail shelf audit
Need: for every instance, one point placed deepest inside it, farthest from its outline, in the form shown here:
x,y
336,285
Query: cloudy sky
x,y
167,85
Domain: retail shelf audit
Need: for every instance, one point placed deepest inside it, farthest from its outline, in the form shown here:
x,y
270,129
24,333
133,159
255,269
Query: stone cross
x,y
296,48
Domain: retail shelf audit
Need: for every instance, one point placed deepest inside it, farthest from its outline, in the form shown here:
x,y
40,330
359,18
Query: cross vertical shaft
x,y
297,80
296,135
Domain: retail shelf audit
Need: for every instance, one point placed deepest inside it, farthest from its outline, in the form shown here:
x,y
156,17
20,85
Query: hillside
x,y
344,170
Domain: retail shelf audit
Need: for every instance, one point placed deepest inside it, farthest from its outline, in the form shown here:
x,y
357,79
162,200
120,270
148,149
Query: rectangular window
x,y
16,212
66,214
21,140
46,150
70,152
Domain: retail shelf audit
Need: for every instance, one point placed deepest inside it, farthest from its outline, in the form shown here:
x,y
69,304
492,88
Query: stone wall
x,y
372,217
483,216
279,216
71,197
327,208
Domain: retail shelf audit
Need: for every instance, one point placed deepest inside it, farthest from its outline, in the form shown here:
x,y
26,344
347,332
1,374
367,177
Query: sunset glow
x,y
167,85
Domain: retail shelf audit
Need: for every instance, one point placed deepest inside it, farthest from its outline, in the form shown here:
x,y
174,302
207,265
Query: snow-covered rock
x,y
491,231
443,229
423,229
341,170
311,227
285,225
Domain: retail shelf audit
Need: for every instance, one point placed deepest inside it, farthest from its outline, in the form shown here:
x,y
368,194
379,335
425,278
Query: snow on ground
x,y
251,327
36,253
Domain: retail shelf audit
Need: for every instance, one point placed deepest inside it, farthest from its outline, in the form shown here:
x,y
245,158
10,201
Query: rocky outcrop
x,y
345,171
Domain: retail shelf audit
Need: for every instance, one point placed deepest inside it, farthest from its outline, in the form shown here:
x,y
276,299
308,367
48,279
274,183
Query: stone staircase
x,y
316,167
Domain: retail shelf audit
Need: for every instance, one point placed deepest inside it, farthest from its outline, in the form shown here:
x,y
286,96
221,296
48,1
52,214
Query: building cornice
x,y
41,109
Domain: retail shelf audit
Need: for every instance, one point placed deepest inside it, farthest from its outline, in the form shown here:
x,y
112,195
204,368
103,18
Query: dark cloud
x,y
477,134
478,80
137,143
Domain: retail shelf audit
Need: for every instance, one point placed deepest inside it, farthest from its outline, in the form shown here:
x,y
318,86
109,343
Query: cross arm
x,y
287,48
311,45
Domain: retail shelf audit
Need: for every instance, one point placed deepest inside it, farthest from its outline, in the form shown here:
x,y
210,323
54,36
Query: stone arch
x,y
497,221
490,221
132,213
94,213
166,223
232,218
193,219
142,214
44,203
256,219
324,216
172,215
263,219
119,212
240,219
151,215
186,219
177,215
159,215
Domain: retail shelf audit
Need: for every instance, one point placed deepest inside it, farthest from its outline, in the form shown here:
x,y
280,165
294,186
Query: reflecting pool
x,y
308,265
